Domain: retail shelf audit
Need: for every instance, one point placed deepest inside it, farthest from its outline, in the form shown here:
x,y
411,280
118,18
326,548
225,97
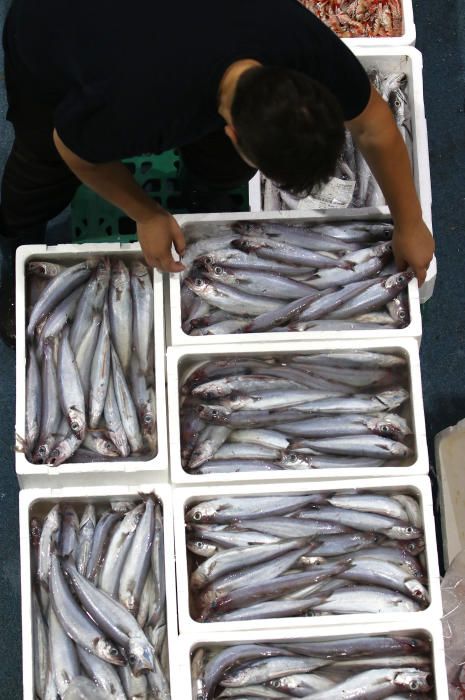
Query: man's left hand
x,y
413,247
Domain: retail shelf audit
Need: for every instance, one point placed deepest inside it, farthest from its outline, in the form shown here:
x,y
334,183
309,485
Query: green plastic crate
x,y
94,220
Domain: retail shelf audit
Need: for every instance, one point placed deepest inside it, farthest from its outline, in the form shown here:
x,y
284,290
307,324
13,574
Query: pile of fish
x,y
314,411
329,669
353,184
98,602
359,18
329,553
261,276
90,387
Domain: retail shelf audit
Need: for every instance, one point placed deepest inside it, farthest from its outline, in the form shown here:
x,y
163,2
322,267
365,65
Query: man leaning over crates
x,y
235,87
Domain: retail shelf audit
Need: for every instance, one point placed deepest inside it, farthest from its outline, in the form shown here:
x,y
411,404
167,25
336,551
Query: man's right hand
x,y
156,235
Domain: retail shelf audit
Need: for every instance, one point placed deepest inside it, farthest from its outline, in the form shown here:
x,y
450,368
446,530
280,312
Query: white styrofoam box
x,y
428,630
200,226
407,37
92,473
181,360
40,501
450,462
419,487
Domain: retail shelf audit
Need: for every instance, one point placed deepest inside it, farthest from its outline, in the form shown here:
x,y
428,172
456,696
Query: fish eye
x,y
198,282
74,425
208,260
131,659
217,270
413,685
197,515
214,413
42,451
107,445
384,429
402,315
292,457
113,651
200,545
147,419
409,530
401,278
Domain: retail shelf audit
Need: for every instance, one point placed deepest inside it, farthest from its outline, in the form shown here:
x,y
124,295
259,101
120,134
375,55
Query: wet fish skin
x,y
33,400
59,287
120,311
226,509
285,253
99,442
208,444
71,393
86,352
91,302
102,674
117,550
138,560
101,533
44,268
228,298
83,688
63,654
75,622
276,286
50,406
86,536
113,421
361,446
62,314
127,409
100,372
143,308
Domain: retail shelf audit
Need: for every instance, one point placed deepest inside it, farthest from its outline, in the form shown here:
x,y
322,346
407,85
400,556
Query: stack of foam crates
x,y
177,490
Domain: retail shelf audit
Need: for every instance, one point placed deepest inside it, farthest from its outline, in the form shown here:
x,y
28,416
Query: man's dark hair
x,y
289,125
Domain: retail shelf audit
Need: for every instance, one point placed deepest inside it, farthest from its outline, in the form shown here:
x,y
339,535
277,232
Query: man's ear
x,y
231,133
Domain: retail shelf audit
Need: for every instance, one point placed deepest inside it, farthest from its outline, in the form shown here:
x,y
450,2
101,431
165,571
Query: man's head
x,y
288,125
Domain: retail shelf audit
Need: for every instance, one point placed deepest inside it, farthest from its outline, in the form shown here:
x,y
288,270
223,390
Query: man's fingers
x,y
167,264
179,240
421,275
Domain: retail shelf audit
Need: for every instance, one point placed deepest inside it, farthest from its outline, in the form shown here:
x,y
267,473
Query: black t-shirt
x,y
125,78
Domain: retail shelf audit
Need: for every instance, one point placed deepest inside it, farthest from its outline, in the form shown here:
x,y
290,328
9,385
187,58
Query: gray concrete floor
x,y
441,38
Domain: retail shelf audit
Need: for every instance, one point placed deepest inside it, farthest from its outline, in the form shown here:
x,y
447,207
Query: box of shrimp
x,y
290,276
276,556
90,366
367,22
98,591
281,664
397,73
293,411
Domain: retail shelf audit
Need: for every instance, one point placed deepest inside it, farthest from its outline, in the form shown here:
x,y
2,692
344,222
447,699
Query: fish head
x,y
217,271
77,423
214,414
414,547
293,460
413,680
200,548
41,453
394,397
120,441
382,249
404,532
106,447
418,591
198,284
398,308
245,245
201,513
138,269
140,655
400,280
107,651
60,453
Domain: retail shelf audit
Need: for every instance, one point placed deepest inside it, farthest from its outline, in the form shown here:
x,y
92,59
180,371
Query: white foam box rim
x,y
207,221
408,346
430,628
29,497
420,487
409,60
93,473
408,36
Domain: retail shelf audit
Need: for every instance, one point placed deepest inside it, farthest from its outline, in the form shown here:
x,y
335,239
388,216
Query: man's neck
x,y
228,84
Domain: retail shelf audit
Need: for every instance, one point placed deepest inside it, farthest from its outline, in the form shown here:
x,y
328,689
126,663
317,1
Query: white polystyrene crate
x,y
93,473
419,487
44,499
407,37
180,360
200,226
429,630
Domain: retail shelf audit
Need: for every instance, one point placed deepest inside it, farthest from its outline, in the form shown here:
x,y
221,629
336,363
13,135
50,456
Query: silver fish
x,y
75,622
223,510
208,444
63,655
268,669
126,405
33,400
375,296
61,315
85,353
229,298
45,269
91,302
283,252
59,287
258,282
100,372
99,442
113,421
103,675
118,549
363,599
50,406
86,537
120,311
361,446
70,388
40,647
101,534
83,688
142,300
69,531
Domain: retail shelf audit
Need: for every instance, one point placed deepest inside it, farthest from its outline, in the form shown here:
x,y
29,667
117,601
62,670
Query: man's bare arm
x,y
156,228
378,138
